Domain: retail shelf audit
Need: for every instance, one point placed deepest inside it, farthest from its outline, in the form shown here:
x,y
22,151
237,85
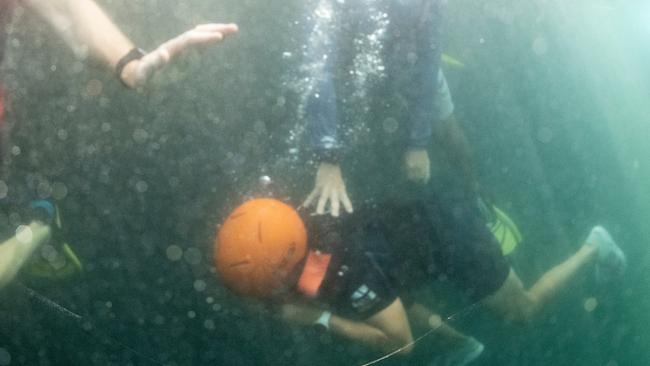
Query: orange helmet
x,y
258,246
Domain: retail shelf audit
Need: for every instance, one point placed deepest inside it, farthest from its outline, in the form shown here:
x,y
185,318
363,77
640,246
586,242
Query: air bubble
x,y
5,357
140,136
390,125
591,304
209,324
199,285
174,253
59,191
94,87
62,134
141,186
193,256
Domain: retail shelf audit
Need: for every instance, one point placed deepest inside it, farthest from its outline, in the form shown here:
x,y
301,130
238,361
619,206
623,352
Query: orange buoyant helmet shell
x,y
258,246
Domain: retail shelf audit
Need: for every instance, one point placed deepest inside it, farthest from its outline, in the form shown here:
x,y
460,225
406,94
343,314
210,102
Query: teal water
x,y
553,98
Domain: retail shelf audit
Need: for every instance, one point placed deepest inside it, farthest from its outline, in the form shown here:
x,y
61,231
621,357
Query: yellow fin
x,y
451,61
505,231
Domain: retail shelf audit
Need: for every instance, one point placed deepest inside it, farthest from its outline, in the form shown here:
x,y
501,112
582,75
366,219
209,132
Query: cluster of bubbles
x,y
368,62
367,65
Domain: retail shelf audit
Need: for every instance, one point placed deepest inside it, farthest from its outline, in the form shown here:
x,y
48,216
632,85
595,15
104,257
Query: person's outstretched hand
x,y
418,166
138,72
330,187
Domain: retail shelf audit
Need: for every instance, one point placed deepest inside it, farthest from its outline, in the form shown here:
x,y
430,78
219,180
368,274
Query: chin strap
x,y
314,273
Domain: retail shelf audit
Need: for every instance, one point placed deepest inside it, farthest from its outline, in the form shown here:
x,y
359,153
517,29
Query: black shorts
x,y
441,238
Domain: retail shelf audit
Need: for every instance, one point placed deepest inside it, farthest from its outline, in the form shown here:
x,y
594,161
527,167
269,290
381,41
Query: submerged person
x,y
371,107
88,30
321,276
339,283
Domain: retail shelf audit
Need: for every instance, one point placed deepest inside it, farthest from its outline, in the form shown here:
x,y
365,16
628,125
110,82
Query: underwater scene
x,y
325,182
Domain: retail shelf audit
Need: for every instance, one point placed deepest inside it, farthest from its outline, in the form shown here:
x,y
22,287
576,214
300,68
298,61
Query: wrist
x,y
329,156
324,320
126,67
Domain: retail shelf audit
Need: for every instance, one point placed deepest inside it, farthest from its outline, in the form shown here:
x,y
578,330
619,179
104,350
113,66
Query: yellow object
x,y
451,61
505,231
60,269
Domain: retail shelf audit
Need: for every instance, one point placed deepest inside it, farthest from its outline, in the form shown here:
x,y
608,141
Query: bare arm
x,y
451,136
385,331
89,31
85,27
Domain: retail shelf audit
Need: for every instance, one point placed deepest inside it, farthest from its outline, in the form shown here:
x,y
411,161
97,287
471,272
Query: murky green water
x,y
553,98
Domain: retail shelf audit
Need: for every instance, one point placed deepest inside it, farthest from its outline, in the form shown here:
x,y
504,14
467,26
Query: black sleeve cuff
x,y
331,156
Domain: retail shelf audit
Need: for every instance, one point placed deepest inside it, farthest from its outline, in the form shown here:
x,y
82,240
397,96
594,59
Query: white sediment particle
x,y
44,190
209,324
199,285
59,190
141,186
591,304
62,134
193,256
140,135
174,253
390,125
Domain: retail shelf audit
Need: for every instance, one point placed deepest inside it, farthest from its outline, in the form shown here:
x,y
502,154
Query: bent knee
x,y
521,312
402,344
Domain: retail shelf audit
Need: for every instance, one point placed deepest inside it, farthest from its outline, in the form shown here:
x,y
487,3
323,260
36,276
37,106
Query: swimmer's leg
x,y
515,303
425,319
15,251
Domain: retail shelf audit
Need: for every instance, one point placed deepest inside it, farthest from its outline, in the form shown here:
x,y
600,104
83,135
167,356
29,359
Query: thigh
x,y
393,322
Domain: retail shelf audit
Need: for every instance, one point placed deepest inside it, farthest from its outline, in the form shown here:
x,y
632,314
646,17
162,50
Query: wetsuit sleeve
x,y
321,109
419,21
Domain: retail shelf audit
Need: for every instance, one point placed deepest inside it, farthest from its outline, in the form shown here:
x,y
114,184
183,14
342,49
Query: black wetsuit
x,y
389,251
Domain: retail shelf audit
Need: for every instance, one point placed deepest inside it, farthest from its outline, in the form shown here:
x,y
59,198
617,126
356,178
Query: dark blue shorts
x,y
442,238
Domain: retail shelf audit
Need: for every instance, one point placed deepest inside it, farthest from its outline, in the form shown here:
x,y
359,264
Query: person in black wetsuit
x,y
88,30
369,103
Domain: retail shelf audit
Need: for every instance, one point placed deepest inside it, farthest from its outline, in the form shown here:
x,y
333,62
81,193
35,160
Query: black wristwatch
x,y
323,321
330,156
134,54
